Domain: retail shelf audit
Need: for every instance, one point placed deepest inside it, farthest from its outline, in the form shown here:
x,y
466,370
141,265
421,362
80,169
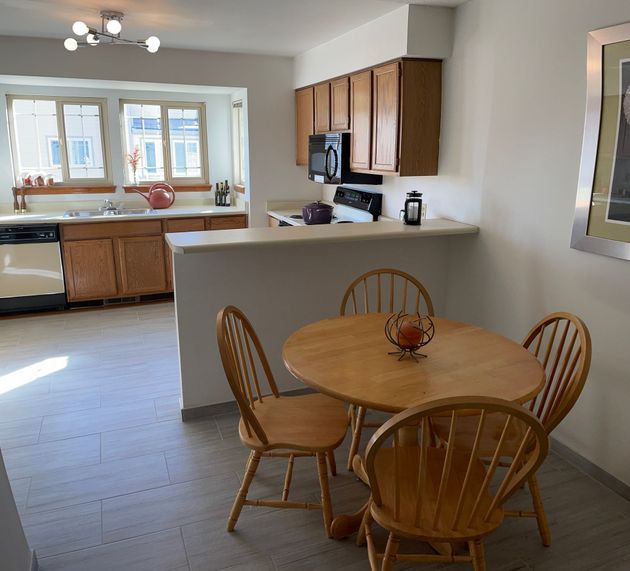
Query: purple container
x,y
317,213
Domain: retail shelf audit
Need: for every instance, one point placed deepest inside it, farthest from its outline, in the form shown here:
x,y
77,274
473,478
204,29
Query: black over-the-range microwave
x,y
329,161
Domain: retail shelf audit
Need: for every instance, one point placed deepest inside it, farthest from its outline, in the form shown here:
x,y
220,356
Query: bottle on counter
x,y
228,194
216,194
221,195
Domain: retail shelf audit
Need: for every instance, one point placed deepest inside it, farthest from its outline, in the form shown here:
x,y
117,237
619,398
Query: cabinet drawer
x,y
185,225
227,222
92,230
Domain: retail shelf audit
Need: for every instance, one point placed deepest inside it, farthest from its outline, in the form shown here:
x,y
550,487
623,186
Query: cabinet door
x,y
386,93
339,105
90,269
303,123
361,120
322,108
227,222
142,266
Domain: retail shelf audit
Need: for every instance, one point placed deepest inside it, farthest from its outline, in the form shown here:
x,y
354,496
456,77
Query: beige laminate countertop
x,y
172,212
198,242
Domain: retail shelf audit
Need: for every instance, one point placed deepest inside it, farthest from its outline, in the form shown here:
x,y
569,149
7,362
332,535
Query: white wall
x,y
282,288
15,554
218,130
268,80
523,167
414,30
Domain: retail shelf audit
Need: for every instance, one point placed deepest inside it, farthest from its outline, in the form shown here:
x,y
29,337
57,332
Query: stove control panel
x,y
360,199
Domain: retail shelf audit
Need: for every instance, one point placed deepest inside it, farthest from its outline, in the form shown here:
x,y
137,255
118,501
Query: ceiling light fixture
x,y
109,34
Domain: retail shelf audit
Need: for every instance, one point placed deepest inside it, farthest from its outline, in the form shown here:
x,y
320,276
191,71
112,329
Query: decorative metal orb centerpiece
x,y
409,332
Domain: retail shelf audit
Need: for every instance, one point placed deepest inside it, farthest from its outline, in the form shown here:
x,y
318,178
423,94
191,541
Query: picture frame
x,y
602,210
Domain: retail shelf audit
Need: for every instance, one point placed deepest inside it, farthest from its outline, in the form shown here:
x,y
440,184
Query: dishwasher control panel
x,y
29,233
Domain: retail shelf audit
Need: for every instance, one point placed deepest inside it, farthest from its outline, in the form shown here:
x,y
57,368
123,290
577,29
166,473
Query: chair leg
x,y
332,463
356,435
477,554
389,557
241,496
541,517
364,523
322,471
371,548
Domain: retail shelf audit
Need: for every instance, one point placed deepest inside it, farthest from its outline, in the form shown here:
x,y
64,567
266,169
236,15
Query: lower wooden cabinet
x,y
104,260
142,267
90,269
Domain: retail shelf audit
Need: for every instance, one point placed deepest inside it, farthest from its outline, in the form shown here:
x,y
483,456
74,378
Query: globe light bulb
x,y
70,44
80,28
153,44
92,39
113,26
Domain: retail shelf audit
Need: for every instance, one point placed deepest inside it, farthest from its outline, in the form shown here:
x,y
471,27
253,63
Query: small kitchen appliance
x,y
160,195
412,213
329,161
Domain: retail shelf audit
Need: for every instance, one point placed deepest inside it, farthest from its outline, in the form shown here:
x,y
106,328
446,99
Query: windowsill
x,y
200,187
64,189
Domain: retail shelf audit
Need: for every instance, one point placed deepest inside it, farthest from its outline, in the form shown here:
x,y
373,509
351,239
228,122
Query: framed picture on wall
x,y
602,210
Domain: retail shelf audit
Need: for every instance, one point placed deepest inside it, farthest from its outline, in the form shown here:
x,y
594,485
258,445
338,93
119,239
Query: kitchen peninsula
x,y
284,278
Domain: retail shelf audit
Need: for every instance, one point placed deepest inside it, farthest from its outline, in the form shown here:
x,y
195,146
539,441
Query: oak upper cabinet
x,y
90,269
340,104
361,120
322,107
142,267
420,114
386,99
304,118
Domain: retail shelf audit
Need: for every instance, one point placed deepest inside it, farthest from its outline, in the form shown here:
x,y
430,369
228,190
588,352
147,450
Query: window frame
x,y
60,101
238,149
165,105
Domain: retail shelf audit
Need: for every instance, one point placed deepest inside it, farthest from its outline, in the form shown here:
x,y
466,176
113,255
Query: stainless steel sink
x,y
116,212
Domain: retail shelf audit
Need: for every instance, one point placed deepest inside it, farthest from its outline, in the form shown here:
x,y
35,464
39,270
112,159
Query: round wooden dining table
x,y
349,358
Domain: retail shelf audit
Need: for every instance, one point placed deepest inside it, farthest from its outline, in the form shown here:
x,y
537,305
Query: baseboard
x,y
591,469
195,412
34,566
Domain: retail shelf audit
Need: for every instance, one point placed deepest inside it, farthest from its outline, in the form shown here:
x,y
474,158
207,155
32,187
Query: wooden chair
x,y
562,343
382,290
272,425
447,494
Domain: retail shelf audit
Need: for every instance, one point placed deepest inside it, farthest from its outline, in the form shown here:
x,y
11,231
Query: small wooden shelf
x,y
177,187
63,189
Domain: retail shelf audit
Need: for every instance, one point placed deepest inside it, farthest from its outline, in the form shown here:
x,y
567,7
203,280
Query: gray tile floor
x,y
108,478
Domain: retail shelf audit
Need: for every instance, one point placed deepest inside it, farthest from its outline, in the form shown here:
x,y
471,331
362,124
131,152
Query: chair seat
x,y
490,436
312,423
408,463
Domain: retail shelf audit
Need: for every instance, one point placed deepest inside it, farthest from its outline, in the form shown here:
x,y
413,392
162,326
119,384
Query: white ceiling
x,y
282,27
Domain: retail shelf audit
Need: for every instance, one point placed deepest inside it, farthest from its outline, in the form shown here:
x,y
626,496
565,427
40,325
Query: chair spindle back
x,y
245,364
386,290
562,343
450,490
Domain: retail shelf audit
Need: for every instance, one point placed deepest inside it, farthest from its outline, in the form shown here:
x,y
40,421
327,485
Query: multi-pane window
x,y
170,139
59,138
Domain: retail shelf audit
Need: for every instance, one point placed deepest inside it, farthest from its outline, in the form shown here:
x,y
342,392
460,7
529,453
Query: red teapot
x,y
160,195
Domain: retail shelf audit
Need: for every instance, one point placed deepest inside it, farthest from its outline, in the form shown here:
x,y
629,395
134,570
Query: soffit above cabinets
x,y
249,26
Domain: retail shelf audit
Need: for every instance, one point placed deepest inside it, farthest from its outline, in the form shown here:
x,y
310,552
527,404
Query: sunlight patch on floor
x,y
26,375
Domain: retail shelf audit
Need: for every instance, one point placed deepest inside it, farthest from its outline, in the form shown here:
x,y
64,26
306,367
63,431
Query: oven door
x,y
324,158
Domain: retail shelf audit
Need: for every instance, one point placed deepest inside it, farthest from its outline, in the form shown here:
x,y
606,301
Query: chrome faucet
x,y
108,206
